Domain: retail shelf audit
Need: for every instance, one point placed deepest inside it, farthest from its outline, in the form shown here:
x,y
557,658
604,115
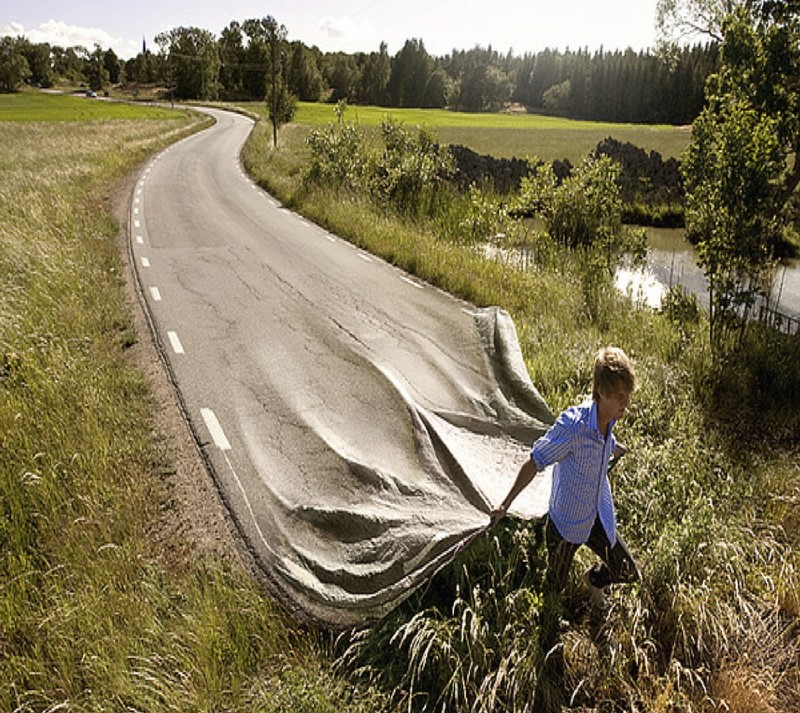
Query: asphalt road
x,y
360,424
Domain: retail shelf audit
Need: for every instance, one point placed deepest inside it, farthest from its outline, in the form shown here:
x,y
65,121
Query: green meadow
x,y
506,135
41,106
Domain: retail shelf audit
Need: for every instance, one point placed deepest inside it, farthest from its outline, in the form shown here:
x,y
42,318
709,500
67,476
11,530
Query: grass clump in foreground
x,y
707,497
98,611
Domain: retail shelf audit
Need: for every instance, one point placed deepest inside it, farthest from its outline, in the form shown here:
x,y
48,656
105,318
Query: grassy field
x,y
101,606
506,135
41,106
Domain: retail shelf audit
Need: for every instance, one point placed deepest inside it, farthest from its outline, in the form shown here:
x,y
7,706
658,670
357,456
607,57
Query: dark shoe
x,y
598,595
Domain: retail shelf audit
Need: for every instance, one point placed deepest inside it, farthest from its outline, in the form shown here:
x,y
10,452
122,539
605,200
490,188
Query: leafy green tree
x,y
39,62
114,66
281,102
343,76
232,60
192,62
14,68
412,169
742,168
556,99
438,90
411,69
304,76
69,63
256,62
583,209
96,72
376,68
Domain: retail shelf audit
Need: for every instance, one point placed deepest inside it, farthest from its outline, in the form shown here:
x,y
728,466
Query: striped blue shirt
x,y
581,489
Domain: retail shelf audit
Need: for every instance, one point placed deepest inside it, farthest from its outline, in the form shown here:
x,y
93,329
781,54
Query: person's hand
x,y
497,514
619,451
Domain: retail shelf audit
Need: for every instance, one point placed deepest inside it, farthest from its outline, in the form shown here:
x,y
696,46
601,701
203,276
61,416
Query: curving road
x,y
359,423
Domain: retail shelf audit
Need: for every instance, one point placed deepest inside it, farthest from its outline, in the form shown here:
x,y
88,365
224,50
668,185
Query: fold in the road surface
x,y
371,422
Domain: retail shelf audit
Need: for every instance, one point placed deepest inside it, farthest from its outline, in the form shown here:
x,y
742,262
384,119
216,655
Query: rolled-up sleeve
x,y
556,444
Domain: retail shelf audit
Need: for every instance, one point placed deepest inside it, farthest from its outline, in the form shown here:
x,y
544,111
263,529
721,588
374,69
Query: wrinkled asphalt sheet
x,y
415,492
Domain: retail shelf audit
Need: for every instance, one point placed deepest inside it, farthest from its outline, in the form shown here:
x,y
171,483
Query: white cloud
x,y
59,33
345,34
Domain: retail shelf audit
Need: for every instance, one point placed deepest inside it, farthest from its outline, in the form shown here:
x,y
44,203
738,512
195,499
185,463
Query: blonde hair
x,y
612,369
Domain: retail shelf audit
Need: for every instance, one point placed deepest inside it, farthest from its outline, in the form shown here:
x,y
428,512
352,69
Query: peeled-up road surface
x,y
360,424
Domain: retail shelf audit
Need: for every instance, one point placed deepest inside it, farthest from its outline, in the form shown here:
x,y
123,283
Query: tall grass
x,y
710,511
99,610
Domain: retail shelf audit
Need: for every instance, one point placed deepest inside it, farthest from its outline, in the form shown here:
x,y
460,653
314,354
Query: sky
x,y
346,25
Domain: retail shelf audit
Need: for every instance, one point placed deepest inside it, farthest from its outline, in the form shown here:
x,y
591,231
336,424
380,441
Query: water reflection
x,y
671,260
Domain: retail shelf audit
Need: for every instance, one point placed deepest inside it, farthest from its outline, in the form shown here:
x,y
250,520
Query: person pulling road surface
x,y
581,446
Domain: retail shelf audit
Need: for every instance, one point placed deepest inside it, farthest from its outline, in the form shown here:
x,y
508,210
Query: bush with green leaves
x,y
339,157
412,170
584,208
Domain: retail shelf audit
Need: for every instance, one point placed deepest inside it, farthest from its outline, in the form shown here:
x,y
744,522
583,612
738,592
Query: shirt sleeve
x,y
556,444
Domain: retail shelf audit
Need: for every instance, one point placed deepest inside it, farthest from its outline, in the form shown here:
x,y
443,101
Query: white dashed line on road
x,y
145,262
217,434
411,282
155,294
177,347
139,240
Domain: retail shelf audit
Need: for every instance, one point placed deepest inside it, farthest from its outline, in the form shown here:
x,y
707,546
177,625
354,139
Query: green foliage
x,y
192,61
412,169
338,157
680,307
741,168
14,68
582,209
486,217
409,174
556,99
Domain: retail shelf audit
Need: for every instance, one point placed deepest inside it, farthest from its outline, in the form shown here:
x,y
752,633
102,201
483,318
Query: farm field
x,y
506,135
42,106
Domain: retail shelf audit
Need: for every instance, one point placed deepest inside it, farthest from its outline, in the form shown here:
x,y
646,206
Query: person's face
x,y
615,402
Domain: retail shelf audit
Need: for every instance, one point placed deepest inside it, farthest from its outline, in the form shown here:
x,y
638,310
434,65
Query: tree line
x,y
242,62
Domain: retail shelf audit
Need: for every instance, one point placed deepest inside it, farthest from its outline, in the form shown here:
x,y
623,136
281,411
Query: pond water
x,y
672,260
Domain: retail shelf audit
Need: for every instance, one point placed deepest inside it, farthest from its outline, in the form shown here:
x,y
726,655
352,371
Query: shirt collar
x,y
593,420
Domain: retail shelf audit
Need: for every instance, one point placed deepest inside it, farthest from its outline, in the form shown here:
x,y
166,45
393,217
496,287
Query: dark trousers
x,y
617,563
